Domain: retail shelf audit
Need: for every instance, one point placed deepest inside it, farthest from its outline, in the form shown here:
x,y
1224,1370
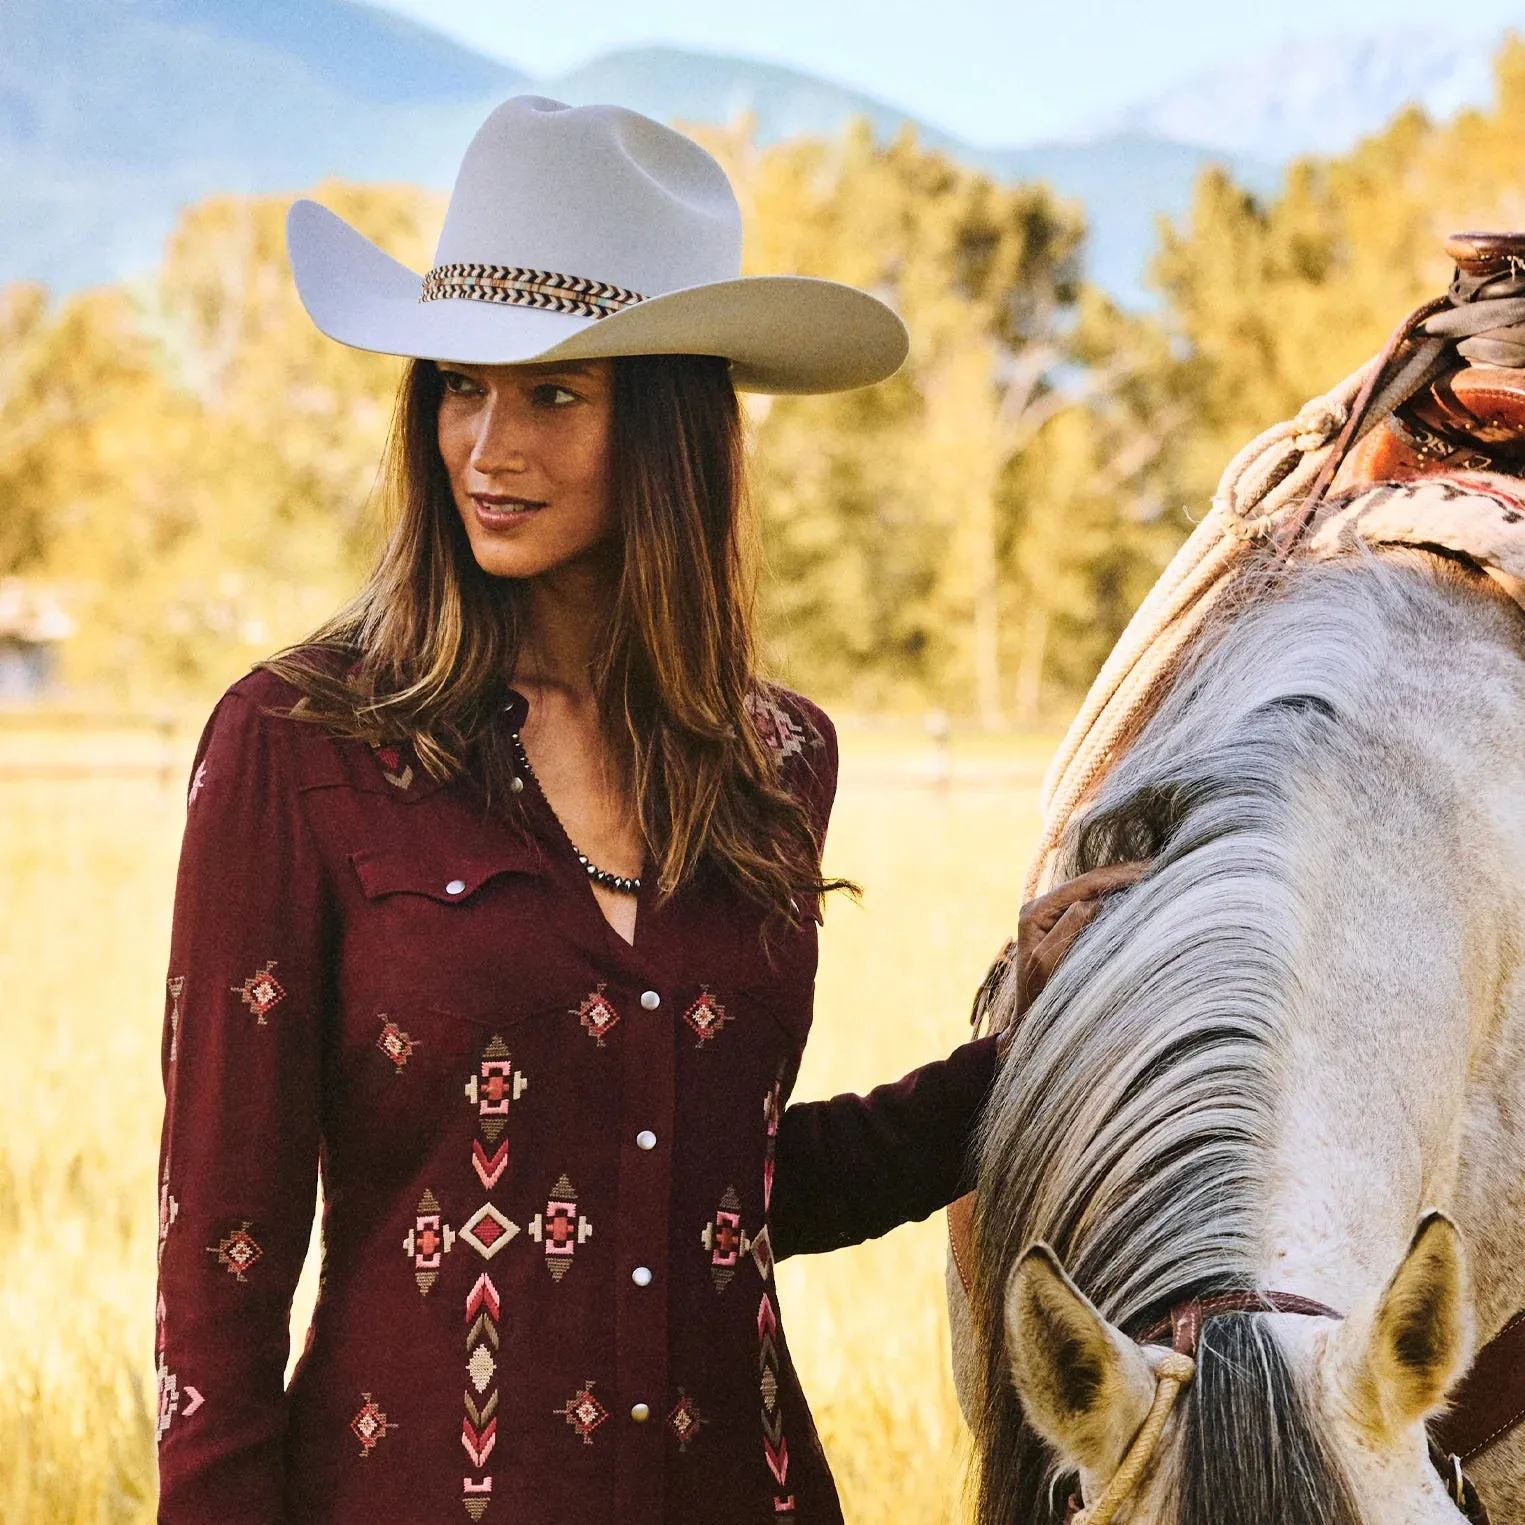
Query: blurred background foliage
x,y
189,464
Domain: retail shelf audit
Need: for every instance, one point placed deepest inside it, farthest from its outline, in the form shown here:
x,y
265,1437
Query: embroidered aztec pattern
x,y
493,1089
706,1016
261,992
494,1086
370,1425
395,769
597,1016
781,732
685,1421
428,1242
237,1251
561,1228
197,783
169,1210
174,988
725,1239
170,1394
394,1043
775,1446
583,1412
515,286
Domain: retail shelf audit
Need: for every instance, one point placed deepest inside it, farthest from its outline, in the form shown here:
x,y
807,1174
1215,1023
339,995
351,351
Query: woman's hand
x,y
1047,929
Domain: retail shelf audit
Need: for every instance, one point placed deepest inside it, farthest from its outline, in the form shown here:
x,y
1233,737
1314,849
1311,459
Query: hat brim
x,y
781,333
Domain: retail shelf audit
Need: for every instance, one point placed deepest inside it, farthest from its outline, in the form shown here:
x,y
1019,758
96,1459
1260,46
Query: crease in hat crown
x,y
582,231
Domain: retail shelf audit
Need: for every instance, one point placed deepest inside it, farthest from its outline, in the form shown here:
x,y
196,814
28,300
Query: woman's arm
x,y
855,1167
238,1154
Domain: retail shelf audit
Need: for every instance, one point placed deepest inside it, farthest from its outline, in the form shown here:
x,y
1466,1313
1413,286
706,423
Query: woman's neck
x,y
566,614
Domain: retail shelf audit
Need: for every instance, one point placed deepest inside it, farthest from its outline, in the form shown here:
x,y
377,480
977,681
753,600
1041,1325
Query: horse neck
x,y
1405,1025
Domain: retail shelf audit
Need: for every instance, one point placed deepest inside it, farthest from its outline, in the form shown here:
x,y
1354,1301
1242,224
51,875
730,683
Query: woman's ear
x,y
1085,1386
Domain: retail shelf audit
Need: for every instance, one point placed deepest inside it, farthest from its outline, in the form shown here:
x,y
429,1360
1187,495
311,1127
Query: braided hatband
x,y
516,287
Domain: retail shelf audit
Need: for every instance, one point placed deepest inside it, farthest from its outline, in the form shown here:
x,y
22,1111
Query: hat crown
x,y
594,192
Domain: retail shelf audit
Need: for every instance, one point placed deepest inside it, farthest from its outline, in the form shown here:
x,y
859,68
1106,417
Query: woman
x,y
547,1082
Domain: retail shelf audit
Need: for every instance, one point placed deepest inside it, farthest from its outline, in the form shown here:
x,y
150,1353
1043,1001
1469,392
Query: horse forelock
x,y
1131,1124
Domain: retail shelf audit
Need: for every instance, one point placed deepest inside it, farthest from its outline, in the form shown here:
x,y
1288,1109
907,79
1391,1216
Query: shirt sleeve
x,y
854,1167
239,1149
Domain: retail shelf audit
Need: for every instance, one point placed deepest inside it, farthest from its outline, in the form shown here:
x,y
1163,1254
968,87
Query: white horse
x,y
1291,1058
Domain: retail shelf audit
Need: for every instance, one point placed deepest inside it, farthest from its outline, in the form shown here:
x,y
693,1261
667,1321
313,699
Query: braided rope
x,y
1172,1374
515,286
1262,490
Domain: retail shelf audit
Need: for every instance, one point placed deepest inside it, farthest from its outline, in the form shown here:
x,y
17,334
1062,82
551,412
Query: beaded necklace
x,y
619,883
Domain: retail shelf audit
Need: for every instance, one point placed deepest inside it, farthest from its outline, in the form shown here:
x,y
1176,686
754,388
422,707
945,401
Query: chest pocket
x,y
447,876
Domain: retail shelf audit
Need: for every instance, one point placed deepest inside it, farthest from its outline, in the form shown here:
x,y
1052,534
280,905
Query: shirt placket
x,y
643,1231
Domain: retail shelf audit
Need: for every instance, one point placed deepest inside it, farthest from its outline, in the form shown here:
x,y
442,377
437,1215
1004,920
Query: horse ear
x,y
1402,1358
1085,1386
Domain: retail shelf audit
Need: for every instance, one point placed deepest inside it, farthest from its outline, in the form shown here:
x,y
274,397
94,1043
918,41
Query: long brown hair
x,y
426,650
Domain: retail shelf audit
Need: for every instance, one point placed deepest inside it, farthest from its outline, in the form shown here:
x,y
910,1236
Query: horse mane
x,y
1130,1125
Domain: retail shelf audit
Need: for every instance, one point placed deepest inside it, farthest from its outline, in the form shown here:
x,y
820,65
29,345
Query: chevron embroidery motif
x,y
515,286
775,1447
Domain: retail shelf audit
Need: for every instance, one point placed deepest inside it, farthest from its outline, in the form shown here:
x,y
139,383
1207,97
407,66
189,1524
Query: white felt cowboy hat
x,y
579,232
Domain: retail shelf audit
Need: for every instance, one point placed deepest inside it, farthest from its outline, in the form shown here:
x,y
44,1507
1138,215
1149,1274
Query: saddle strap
x,y
1490,1399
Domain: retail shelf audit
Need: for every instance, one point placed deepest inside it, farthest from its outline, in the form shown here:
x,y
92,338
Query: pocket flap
x,y
437,872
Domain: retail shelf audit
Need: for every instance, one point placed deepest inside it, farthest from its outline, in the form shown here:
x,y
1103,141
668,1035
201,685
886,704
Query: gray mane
x,y
1131,1123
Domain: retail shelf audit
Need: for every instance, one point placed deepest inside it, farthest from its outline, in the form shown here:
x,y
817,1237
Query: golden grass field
x,y
87,861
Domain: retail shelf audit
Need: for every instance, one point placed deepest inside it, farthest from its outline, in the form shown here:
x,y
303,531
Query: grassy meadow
x,y
90,817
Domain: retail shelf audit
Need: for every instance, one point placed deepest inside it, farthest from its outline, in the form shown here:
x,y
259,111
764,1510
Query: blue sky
x,y
992,71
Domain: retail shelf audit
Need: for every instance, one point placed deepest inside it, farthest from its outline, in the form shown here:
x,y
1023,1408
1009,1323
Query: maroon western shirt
x,y
557,1168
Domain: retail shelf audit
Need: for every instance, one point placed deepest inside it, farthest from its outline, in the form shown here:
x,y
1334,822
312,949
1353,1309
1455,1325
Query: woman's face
x,y
527,450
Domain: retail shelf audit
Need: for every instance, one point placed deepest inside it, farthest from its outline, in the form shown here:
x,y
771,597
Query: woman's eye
x,y
456,381
553,396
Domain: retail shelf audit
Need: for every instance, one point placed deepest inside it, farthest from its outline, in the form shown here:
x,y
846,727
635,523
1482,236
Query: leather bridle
x,y
1182,1329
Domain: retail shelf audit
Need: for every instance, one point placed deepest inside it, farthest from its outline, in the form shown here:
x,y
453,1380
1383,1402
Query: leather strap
x,y
1490,1400
1183,1325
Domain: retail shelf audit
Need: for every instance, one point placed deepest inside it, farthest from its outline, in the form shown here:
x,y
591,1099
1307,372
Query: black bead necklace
x,y
619,883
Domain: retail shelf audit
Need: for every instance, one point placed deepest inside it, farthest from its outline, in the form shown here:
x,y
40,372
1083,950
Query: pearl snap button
x,y
455,886
640,1413
641,1276
516,784
650,1000
645,1139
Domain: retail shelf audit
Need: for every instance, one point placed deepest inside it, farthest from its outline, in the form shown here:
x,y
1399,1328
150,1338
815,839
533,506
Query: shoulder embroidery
x,y
261,992
370,1425
583,1412
782,732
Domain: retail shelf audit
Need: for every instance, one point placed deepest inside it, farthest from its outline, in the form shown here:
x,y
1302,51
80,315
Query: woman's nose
x,y
499,443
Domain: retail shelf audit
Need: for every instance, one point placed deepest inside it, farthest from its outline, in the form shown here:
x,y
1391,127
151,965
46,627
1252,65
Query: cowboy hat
x,y
580,232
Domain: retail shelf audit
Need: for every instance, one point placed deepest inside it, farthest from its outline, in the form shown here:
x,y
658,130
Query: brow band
x,y
544,290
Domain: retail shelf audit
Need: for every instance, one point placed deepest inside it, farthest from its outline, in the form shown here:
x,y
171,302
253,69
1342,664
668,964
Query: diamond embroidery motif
x,y
480,1368
238,1251
583,1412
261,992
487,1231
685,1421
370,1425
428,1242
597,1016
494,1087
780,731
561,1228
706,1016
394,1043
725,1239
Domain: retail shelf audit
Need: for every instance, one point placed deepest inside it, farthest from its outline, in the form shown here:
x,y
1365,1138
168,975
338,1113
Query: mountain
x,y
114,113
1319,97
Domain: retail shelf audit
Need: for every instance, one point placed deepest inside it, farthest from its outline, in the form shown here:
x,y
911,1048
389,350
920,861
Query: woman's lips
x,y
504,513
